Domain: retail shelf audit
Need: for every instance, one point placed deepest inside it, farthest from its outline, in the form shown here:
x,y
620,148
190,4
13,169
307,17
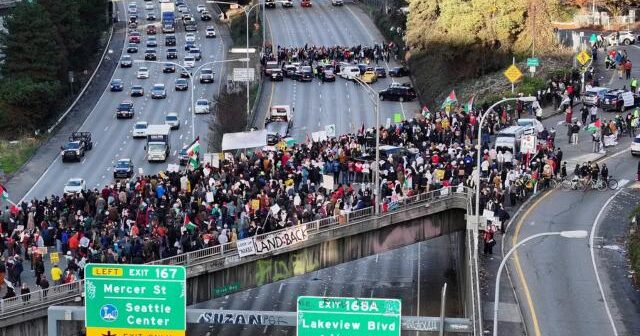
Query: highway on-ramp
x,y
112,137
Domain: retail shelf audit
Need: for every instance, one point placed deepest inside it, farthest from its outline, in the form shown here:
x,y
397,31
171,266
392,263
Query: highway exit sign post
x,y
140,300
322,316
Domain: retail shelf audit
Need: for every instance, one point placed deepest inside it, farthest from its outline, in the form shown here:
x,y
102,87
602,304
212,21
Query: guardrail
x,y
24,304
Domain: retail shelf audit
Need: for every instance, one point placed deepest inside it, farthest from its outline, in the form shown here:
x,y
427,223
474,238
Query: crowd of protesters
x,y
313,54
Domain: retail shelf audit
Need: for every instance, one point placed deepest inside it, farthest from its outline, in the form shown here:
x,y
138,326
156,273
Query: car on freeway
x,y
134,37
126,61
170,40
172,120
337,2
304,74
182,8
189,61
190,37
132,48
125,110
140,129
287,4
276,75
73,150
189,45
369,77
148,6
185,74
328,76
205,16
143,73
181,84
150,55
206,75
123,169
202,106
74,185
381,72
132,8
400,71
195,52
116,85
289,70
184,156
398,92
210,32
151,16
158,91
168,68
201,8
364,67
152,42
180,2
305,3
151,29
635,146
172,53
137,91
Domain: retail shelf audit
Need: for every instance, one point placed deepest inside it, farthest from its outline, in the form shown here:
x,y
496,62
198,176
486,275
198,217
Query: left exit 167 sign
x,y
135,300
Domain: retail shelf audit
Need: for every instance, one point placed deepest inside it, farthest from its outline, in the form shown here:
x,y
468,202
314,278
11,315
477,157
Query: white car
x,y
183,8
201,8
190,37
148,6
132,8
202,106
74,186
635,145
189,61
172,120
626,37
143,73
140,129
210,32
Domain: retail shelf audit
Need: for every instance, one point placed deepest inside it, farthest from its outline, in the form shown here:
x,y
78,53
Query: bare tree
x,y
230,115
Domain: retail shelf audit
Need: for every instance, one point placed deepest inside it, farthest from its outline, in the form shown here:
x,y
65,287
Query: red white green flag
x,y
469,106
188,224
451,100
193,151
4,195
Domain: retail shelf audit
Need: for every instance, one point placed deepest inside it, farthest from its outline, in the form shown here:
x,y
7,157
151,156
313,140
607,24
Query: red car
x,y
151,30
134,38
306,3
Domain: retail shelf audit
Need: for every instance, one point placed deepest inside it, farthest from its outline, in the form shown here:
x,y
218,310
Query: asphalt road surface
x,y
112,138
342,103
392,274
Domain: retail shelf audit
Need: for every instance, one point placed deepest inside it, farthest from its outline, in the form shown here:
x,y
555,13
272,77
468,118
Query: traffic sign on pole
x,y
318,316
141,300
533,62
513,73
583,57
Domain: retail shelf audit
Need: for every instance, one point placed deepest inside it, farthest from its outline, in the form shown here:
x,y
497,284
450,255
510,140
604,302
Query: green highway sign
x,y
324,316
533,62
139,300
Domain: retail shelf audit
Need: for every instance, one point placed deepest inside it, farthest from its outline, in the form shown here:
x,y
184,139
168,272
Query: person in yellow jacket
x,y
56,274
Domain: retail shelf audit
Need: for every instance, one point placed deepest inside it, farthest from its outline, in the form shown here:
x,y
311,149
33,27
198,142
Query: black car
x,y
184,156
400,71
188,45
304,74
381,72
182,84
151,16
116,85
150,55
170,40
205,16
126,61
184,74
125,110
398,92
132,48
169,68
276,75
123,168
172,53
137,91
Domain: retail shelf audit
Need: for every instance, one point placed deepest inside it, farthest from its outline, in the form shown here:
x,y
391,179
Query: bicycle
x,y
596,184
556,182
571,184
612,183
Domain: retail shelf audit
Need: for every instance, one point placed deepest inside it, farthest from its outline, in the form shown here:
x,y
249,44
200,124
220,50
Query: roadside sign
x,y
583,57
513,73
533,62
141,300
243,74
318,316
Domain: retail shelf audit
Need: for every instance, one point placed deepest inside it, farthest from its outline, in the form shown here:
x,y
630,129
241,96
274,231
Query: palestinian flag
x,y
451,100
4,195
425,112
193,151
188,224
469,106
594,126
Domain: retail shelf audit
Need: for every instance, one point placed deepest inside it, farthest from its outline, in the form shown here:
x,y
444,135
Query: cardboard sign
x,y
246,247
327,182
54,257
173,168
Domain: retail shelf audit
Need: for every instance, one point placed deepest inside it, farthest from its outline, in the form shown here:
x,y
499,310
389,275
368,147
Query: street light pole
x,y
578,234
374,98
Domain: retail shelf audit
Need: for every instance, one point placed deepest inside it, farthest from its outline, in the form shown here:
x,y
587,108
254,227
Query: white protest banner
x,y
327,182
209,197
528,144
280,239
84,242
173,168
330,130
246,247
275,209
319,136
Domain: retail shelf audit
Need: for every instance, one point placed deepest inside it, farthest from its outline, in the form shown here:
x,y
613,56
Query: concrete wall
x,y
327,252
38,327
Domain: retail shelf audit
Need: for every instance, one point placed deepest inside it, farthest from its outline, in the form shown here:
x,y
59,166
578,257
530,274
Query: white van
x,y
350,72
509,138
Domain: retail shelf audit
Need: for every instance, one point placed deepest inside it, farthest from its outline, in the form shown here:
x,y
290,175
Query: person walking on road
x,y
593,113
627,69
633,85
584,113
56,275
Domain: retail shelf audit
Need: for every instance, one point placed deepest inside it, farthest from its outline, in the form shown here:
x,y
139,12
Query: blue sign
x,y
109,312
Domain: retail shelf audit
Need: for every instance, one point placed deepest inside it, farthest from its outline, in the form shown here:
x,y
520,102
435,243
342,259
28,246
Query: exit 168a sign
x,y
140,300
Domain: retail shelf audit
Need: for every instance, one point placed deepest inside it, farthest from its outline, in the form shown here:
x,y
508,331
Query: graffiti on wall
x,y
279,268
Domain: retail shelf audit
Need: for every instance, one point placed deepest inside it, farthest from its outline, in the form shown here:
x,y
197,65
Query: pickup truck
x,y
74,150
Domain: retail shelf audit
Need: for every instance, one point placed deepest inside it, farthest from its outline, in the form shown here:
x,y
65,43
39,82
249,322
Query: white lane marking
x,y
280,289
371,293
622,183
594,228
377,255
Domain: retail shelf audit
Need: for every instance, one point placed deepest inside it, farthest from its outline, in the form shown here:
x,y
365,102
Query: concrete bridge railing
x,y
35,303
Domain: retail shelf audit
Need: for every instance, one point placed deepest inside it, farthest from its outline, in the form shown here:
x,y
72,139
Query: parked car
x,y
123,168
627,37
398,92
400,71
74,185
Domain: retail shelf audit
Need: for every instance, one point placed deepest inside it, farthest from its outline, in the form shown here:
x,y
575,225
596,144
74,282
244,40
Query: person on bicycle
x,y
604,173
